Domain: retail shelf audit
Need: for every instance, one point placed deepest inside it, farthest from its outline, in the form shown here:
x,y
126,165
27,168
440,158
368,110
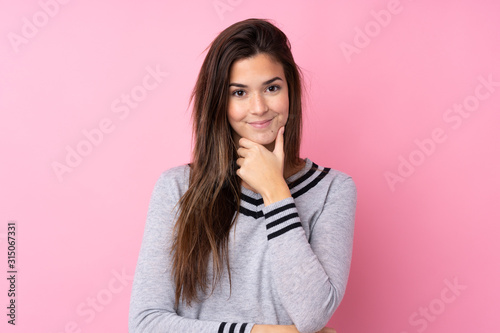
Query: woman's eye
x,y
273,88
238,93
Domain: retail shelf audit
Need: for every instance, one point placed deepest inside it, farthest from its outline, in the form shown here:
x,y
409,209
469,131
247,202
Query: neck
x,y
290,170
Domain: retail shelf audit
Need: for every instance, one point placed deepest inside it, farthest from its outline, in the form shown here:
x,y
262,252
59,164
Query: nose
x,y
258,105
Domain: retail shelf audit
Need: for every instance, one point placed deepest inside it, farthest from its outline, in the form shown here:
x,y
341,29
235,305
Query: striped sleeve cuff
x,y
281,217
235,328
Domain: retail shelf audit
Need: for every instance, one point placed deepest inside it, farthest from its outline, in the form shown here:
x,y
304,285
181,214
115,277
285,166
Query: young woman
x,y
249,237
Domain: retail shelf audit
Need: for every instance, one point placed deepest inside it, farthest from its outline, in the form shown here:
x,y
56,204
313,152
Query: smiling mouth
x,y
261,124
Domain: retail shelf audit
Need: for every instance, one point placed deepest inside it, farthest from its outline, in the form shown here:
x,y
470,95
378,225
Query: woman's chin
x,y
263,141
263,138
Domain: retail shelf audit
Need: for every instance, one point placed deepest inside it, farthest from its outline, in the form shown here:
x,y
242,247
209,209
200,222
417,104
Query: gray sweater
x,y
289,261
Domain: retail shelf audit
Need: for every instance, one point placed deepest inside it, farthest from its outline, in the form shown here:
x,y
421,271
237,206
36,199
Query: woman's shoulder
x,y
340,179
330,179
321,171
179,173
342,188
173,182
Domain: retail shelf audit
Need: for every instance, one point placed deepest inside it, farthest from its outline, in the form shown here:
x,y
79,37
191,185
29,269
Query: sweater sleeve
x,y
153,291
311,275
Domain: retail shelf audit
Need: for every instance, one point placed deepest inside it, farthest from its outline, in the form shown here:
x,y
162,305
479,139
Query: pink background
x,y
64,73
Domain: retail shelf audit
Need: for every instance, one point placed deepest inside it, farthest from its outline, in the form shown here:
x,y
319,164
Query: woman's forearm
x,y
274,329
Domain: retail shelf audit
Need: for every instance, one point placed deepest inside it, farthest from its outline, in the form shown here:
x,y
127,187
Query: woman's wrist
x,y
276,192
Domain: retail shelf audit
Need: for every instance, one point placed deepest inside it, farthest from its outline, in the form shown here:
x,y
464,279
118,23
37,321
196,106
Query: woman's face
x,y
258,99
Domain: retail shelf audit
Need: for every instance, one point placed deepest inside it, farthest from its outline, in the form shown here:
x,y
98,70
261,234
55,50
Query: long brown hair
x,y
209,208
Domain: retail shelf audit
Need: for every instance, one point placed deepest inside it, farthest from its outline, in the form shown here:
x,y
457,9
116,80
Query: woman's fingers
x,y
279,145
262,170
243,152
246,143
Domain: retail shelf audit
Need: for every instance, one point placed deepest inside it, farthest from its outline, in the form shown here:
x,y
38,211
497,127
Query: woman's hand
x,y
284,329
262,169
274,329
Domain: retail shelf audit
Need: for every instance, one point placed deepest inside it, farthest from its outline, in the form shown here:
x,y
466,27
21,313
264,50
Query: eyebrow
x,y
239,85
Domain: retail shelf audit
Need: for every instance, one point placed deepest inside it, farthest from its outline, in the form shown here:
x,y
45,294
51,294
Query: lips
x,y
261,124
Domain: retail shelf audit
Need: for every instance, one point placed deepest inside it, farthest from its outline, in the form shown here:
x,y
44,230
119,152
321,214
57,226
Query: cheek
x,y
233,115
284,111
231,112
284,120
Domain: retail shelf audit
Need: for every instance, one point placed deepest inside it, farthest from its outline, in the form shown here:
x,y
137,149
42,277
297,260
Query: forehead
x,y
260,67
